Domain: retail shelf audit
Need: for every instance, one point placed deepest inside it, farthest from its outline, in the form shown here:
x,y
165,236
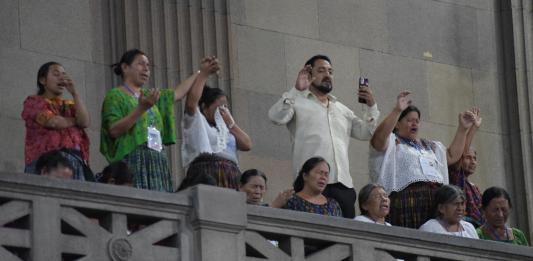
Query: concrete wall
x,y
74,33
452,54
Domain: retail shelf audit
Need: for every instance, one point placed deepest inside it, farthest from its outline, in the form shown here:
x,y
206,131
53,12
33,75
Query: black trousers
x,y
344,195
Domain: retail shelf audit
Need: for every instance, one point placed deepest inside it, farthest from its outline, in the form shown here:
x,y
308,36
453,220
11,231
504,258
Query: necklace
x,y
496,236
136,95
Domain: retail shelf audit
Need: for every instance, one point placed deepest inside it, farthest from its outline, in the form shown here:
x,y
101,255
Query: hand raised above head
x,y
209,65
477,116
304,79
466,119
402,101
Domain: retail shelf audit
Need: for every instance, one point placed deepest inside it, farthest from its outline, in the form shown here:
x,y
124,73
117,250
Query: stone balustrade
x,y
48,219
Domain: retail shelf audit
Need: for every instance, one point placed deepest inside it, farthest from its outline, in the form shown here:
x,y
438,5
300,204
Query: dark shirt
x,y
330,208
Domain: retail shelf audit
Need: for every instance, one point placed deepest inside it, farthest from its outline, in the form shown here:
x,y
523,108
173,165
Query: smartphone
x,y
362,82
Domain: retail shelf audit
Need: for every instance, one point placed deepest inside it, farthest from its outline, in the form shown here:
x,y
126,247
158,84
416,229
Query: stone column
x,y
517,42
218,220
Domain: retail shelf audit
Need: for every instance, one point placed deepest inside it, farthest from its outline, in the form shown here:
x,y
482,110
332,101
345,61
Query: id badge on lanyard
x,y
154,135
430,165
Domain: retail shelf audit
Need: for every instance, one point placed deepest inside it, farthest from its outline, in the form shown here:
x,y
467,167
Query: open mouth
x,y
322,184
413,130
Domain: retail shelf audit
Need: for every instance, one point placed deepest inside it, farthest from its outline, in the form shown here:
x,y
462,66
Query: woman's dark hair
x,y
313,59
52,160
492,193
407,110
247,175
364,195
446,194
311,163
404,113
127,58
118,171
209,96
42,73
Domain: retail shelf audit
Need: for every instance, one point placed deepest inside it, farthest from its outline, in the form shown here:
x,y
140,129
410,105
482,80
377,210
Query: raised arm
x,y
456,148
283,110
208,66
472,131
183,88
380,139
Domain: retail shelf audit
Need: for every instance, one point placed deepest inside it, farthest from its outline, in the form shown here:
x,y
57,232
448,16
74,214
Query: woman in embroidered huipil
x,y
411,168
211,137
496,206
53,123
137,122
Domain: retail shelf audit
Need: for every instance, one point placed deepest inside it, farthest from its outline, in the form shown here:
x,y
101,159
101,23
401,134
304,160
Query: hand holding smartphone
x,y
363,82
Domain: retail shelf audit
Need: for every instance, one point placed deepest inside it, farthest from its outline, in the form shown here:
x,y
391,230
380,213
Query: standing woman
x,y
410,168
53,123
211,137
137,122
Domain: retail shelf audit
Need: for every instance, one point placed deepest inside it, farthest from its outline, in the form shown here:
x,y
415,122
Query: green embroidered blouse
x,y
518,236
118,104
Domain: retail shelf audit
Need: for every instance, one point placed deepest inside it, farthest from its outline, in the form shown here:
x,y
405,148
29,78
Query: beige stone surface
x,y
449,92
357,23
296,17
57,27
260,60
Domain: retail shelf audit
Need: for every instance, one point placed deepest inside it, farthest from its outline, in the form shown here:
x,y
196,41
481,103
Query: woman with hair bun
x,y
137,121
211,137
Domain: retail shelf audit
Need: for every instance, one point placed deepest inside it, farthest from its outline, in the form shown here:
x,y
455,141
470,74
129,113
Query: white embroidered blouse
x,y
401,164
200,137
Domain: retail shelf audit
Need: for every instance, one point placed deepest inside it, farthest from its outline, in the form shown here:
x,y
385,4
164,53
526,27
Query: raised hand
x,y
466,119
477,116
402,102
209,65
304,79
146,102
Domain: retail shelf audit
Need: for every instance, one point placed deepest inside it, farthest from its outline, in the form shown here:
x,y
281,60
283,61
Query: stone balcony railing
x,y
47,219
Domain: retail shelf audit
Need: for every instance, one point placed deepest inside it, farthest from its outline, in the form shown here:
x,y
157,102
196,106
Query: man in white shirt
x,y
322,126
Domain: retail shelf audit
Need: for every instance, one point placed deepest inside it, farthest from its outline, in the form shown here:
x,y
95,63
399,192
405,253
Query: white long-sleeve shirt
x,y
322,130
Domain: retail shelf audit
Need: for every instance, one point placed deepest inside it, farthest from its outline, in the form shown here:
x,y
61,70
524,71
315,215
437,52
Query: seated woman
x,y
211,137
449,209
309,185
54,164
409,167
496,207
117,173
253,183
374,204
53,123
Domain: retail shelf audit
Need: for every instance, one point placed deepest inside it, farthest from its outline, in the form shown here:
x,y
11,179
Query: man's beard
x,y
324,87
